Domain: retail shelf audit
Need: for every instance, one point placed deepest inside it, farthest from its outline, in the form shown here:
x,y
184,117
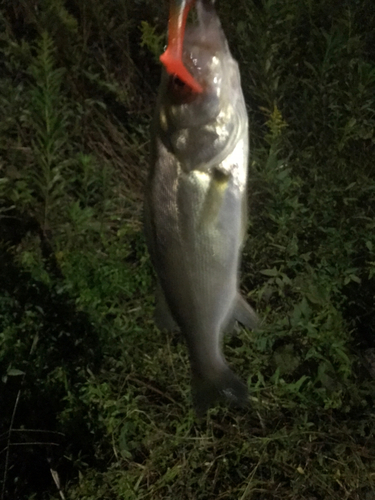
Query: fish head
x,y
205,55
200,125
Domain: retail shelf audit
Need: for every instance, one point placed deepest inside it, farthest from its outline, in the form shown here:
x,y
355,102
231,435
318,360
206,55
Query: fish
x,y
195,205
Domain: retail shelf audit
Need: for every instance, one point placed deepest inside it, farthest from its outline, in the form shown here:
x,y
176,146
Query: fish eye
x,y
180,89
178,83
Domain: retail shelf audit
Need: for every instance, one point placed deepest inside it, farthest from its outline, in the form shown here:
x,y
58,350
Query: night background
x,y
95,401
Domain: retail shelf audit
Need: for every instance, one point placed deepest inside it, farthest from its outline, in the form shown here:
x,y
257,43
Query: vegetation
x,y
94,400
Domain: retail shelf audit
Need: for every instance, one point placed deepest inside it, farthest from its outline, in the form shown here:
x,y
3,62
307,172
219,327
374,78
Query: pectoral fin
x,y
214,198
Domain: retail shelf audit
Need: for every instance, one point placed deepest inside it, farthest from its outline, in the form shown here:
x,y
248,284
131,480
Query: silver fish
x,y
195,205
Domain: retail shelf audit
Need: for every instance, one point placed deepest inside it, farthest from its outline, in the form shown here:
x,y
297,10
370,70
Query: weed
x,y
95,400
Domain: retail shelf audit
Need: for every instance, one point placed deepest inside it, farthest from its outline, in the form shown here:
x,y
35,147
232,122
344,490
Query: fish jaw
x,y
172,57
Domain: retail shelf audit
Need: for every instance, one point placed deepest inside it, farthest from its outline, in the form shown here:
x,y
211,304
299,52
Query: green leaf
x,y
270,272
13,372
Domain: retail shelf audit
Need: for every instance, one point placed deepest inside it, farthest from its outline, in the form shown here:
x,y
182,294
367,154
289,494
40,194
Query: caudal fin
x,y
226,387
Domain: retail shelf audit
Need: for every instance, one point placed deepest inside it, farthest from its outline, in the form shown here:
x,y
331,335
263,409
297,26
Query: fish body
x,y
195,205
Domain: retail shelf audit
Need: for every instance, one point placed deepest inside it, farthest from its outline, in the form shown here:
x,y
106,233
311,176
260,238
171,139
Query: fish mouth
x,y
172,57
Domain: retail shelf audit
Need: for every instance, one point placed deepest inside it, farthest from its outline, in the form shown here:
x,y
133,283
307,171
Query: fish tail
x,y
225,386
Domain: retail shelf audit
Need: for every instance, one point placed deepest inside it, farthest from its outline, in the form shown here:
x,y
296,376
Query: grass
x,y
95,401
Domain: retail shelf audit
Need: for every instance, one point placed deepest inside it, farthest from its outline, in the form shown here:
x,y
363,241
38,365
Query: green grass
x,y
94,400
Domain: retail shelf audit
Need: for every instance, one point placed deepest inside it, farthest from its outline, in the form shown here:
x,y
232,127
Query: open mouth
x,y
172,57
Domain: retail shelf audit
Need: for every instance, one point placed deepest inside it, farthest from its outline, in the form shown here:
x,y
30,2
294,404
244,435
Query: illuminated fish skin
x,y
195,205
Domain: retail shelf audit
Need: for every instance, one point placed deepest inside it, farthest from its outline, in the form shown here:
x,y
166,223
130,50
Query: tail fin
x,y
226,386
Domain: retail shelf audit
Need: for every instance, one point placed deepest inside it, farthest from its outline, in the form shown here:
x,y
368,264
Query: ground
x,y
95,400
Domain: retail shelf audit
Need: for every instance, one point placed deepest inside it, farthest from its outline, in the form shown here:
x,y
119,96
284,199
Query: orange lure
x,y
172,57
